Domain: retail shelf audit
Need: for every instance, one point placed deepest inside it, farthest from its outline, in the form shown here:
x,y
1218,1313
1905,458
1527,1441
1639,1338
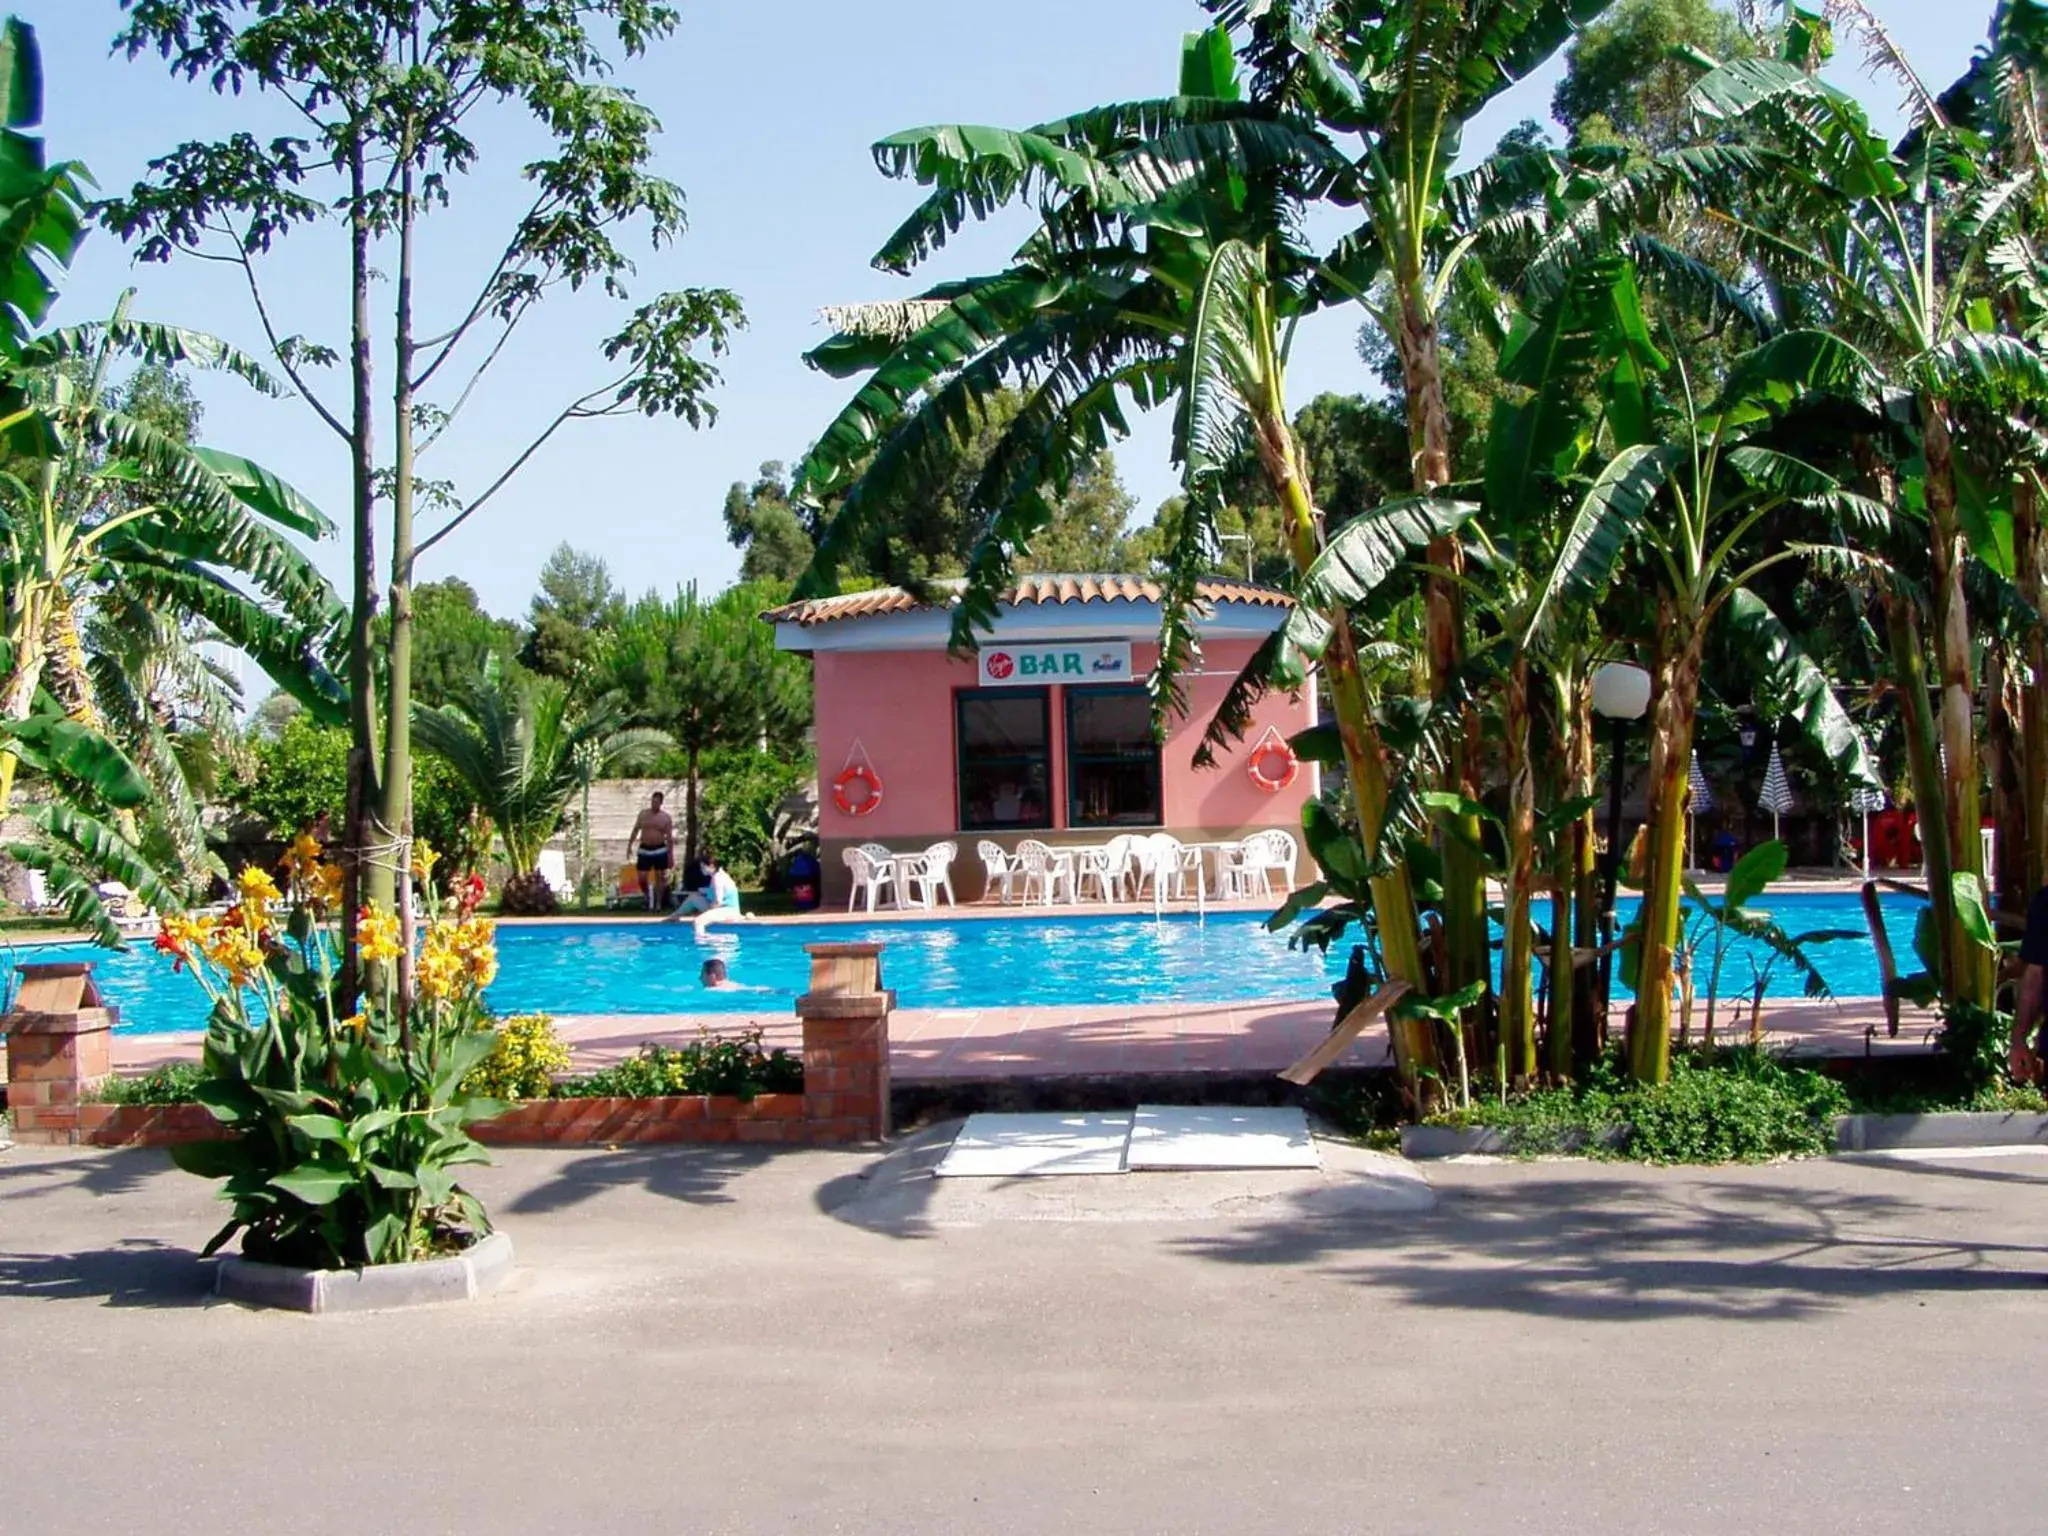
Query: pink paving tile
x,y
933,1044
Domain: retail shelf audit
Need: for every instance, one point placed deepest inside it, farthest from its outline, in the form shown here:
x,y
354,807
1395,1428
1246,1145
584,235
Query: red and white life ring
x,y
1274,779
859,773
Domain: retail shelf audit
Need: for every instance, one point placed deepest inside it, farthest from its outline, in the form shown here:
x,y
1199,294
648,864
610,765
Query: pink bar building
x,y
1046,732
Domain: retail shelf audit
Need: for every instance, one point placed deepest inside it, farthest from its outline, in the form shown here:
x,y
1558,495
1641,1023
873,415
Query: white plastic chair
x,y
1263,855
1040,867
1001,870
1106,867
39,893
871,876
930,873
1234,880
1162,859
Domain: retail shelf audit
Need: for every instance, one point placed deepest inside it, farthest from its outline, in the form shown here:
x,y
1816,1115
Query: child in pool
x,y
716,978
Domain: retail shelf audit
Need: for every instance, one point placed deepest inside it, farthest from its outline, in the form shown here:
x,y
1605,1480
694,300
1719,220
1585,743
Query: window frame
x,y
1070,761
961,698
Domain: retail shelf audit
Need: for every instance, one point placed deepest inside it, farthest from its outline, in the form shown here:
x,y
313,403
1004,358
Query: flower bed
x,y
146,1125
595,1121
718,1088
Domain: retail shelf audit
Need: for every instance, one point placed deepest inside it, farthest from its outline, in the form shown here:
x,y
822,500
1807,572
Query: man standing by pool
x,y
654,850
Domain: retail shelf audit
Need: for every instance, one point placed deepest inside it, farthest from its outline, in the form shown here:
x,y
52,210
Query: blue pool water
x,y
634,967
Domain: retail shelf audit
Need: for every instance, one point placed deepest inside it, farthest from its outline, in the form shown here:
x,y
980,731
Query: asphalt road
x,y
693,1345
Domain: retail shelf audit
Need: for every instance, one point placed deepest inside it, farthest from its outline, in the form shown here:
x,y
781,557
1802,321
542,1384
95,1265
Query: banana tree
x,y
1167,268
73,832
103,505
1163,270
1394,88
1677,495
1889,246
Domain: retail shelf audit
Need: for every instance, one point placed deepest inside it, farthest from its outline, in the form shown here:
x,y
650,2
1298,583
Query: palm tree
x,y
520,745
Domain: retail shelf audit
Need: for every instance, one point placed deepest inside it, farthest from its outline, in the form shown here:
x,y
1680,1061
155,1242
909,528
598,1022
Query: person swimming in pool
x,y
716,978
717,902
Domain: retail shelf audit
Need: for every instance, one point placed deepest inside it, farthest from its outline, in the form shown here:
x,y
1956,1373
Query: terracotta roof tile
x,y
1048,588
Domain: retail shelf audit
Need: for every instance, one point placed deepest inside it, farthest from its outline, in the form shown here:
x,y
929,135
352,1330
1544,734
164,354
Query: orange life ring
x,y
1290,765
859,773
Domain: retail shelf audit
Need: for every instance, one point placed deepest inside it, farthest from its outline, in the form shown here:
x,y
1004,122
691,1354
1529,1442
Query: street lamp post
x,y
1621,693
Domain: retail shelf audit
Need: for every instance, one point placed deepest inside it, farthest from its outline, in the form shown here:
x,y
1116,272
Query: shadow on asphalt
x,y
114,1172
138,1273
1600,1250
694,1175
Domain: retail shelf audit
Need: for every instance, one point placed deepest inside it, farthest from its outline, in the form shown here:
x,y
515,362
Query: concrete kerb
x,y
463,1277
1853,1133
1894,1133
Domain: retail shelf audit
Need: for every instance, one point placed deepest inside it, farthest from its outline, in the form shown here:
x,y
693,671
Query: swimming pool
x,y
1061,959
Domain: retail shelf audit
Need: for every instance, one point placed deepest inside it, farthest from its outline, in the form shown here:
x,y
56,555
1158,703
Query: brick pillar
x,y
846,1044
52,1058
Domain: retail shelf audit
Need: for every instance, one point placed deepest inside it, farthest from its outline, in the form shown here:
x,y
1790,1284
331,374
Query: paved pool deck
x,y
964,1045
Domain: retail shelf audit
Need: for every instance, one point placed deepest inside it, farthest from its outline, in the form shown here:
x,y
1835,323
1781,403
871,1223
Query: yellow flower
x,y
440,975
424,859
301,858
357,1022
256,886
324,890
236,952
377,935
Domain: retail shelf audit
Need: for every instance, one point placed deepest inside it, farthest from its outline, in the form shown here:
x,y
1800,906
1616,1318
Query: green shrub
x,y
742,791
737,1065
1746,1107
175,1082
1740,1105
1974,1045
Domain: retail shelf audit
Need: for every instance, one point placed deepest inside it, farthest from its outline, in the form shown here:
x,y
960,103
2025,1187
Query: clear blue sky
x,y
769,111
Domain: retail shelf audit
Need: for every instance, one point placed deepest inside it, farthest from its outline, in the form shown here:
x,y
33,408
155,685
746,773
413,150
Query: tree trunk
x,y
1670,758
1564,866
394,809
361,880
1399,922
2033,698
2005,882
1589,1017
1923,767
69,676
1429,442
18,694
1517,993
690,810
1952,655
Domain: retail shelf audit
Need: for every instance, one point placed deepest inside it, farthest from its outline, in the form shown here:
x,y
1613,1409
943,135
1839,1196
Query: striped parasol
x,y
1701,799
1702,791
1865,799
1776,795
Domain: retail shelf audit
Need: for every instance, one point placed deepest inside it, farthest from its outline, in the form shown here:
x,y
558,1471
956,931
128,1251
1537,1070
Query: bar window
x,y
1003,740
1112,759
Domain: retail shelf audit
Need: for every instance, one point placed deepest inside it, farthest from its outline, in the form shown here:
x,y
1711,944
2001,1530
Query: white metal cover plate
x,y
1172,1136
1036,1146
